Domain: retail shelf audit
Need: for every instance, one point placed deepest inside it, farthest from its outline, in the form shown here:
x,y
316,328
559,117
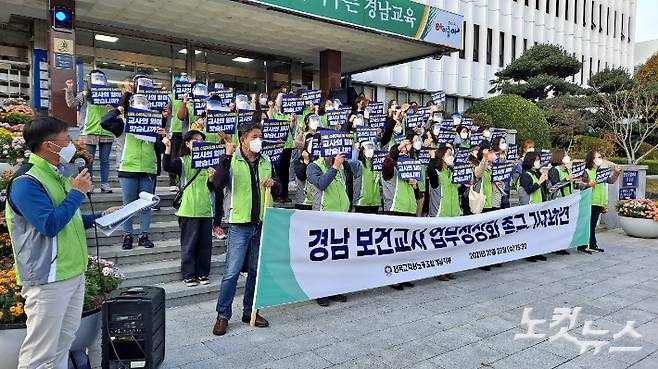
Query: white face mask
x,y
450,160
263,102
397,130
598,162
537,164
369,153
313,124
358,121
530,149
503,146
436,131
255,145
366,113
463,135
66,153
418,145
486,134
437,118
566,160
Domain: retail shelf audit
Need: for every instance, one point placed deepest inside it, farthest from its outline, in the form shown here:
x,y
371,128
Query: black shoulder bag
x,y
179,195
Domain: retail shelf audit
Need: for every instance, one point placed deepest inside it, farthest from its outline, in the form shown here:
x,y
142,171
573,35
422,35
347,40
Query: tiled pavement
x,y
466,323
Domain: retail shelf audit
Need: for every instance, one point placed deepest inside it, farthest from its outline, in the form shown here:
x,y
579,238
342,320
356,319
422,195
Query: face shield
x,y
182,79
313,122
97,79
242,102
212,104
143,82
358,120
139,102
218,86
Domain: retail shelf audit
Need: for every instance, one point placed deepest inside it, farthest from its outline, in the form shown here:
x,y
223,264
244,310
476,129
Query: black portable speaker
x,y
134,328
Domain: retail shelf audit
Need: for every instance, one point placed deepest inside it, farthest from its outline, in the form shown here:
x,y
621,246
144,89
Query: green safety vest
x,y
198,200
449,205
535,197
40,259
239,194
334,197
487,189
568,190
370,187
308,193
599,191
401,196
138,156
176,124
93,116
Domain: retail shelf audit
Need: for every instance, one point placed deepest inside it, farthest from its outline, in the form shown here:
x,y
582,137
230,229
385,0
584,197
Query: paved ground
x,y
466,323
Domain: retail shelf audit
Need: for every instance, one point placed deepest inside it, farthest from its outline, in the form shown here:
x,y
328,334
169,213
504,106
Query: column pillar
x,y
190,62
61,62
330,71
295,75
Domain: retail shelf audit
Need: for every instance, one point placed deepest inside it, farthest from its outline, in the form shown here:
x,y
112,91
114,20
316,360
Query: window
x,y
489,45
557,8
537,4
607,22
629,29
590,66
416,97
391,95
582,68
566,10
600,14
451,104
501,49
584,13
476,43
623,36
369,91
525,44
614,25
526,2
548,6
592,18
575,12
403,97
462,52
513,47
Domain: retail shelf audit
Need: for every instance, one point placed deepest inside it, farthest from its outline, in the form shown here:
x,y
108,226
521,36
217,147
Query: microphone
x,y
80,164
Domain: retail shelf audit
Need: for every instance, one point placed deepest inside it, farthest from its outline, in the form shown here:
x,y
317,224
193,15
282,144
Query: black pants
x,y
196,246
283,171
176,143
303,207
397,213
366,209
596,213
463,200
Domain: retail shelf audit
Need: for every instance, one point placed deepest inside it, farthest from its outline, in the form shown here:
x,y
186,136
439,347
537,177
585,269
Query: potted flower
x,y
639,218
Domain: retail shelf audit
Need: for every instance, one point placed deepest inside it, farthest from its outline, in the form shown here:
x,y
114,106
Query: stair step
x,y
159,231
160,272
164,250
177,294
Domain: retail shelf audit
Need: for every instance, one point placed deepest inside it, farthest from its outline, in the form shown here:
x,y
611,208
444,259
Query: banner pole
x,y
254,312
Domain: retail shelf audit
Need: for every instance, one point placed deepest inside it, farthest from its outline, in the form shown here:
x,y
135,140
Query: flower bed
x,y
643,209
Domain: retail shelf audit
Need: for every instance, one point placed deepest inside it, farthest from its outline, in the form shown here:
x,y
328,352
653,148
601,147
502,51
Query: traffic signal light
x,y
62,18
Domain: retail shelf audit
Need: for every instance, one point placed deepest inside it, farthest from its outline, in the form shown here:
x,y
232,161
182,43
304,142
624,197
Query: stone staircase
x,y
158,266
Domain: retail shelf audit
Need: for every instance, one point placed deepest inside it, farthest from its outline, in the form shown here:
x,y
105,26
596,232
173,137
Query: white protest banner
x,y
333,143
292,104
143,122
206,154
105,95
221,121
301,251
275,130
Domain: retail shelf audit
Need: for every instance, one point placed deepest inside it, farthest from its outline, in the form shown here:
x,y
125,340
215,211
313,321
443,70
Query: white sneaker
x,y
292,186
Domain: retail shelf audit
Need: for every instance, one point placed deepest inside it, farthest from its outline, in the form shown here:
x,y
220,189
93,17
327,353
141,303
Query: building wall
x,y
465,76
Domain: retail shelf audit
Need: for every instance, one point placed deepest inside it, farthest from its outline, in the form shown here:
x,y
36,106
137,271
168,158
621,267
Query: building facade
x,y
599,33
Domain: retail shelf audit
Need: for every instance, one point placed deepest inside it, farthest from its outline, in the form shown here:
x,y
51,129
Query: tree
x,y
515,112
611,80
568,117
648,72
632,115
539,73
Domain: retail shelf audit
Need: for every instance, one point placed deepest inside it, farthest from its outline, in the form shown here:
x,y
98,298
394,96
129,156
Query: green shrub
x,y
515,112
644,147
652,164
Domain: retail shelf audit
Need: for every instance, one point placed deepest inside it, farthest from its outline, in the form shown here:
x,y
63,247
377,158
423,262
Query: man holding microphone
x,y
50,247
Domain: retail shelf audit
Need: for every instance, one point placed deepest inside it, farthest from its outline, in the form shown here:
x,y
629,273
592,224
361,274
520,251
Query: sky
x,y
645,20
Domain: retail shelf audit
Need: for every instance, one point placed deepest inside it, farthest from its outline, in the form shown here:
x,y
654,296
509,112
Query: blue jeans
x,y
131,187
104,156
243,240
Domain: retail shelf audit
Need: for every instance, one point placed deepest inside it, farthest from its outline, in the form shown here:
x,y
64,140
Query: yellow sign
x,y
63,46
